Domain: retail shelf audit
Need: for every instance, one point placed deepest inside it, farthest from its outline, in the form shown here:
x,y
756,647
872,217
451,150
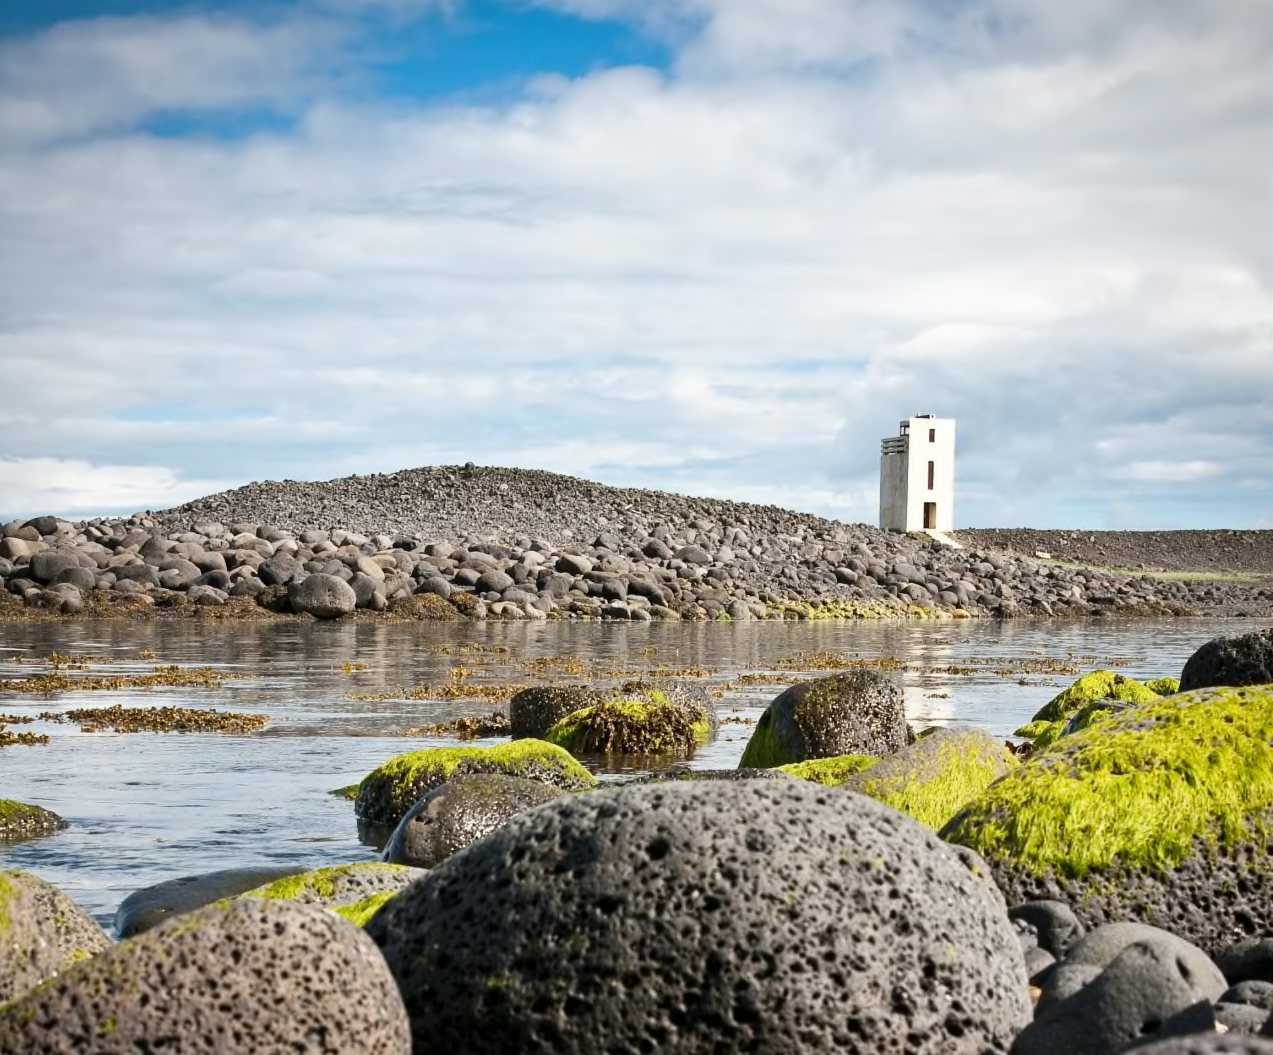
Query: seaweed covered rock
x,y
150,906
770,916
1163,686
341,887
265,977
532,712
386,793
1245,659
935,777
460,812
1050,721
18,820
42,932
1163,813
692,698
854,712
645,723
829,772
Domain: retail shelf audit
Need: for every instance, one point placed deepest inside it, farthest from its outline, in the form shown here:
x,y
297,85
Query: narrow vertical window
x,y
932,474
932,435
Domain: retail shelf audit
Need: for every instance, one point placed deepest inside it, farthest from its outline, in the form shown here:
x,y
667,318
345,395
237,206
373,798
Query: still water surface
x,y
149,807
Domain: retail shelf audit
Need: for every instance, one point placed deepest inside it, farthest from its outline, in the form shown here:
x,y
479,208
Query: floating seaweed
x,y
493,724
164,720
160,677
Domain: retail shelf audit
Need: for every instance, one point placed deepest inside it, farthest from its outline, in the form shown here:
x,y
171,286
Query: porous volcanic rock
x,y
1245,659
460,812
265,977
532,712
854,712
151,905
21,820
42,932
1163,813
337,887
1208,1044
770,916
387,792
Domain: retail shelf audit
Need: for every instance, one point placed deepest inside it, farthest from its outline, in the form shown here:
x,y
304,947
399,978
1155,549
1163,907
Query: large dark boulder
x,y
768,916
460,812
1246,659
322,596
855,712
42,932
242,976
1162,813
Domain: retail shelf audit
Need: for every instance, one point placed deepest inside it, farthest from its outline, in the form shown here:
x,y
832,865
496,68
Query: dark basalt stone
x,y
1053,924
1244,1019
1103,945
1247,960
246,976
855,712
532,712
150,906
460,812
1246,659
1208,1044
1253,992
761,915
1142,993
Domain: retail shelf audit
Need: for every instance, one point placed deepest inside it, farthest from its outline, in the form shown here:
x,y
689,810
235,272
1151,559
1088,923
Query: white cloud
x,y
74,487
734,276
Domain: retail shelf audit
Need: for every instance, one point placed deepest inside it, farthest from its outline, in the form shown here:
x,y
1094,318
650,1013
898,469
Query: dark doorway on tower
x,y
930,516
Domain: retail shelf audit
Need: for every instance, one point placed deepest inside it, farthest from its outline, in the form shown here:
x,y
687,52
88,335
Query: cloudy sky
x,y
711,246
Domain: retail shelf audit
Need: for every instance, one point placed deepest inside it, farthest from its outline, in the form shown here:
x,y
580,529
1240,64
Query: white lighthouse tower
x,y
917,476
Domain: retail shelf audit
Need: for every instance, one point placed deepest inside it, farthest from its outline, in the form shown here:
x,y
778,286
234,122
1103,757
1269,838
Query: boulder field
x,y
448,541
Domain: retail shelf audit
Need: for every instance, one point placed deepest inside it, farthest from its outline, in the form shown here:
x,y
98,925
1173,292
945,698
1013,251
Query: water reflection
x,y
150,807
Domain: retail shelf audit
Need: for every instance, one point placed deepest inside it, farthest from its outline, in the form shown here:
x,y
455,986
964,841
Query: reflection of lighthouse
x,y
917,476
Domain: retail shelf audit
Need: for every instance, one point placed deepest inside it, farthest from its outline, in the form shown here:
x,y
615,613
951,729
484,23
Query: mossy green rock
x,y
855,712
18,820
1049,721
340,886
1162,813
933,778
42,932
1164,686
829,772
532,712
645,724
386,793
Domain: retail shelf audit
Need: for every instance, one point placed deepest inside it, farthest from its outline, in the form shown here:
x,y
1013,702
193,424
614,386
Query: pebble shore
x,y
439,542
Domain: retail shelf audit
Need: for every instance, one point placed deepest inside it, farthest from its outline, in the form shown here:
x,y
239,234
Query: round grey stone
x,y
1207,1044
460,812
47,566
494,581
82,578
1103,945
1245,659
532,712
760,915
322,596
264,977
151,905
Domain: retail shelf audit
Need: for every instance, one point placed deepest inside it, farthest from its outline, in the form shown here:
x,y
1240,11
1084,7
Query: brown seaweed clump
x,y
165,720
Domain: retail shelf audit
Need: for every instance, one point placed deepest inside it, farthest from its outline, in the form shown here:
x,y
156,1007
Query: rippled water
x,y
149,807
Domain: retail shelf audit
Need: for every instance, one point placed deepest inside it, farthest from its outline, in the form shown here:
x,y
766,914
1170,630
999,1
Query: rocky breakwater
x,y
516,544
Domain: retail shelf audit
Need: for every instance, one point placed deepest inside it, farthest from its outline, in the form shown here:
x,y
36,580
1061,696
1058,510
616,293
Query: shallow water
x,y
149,807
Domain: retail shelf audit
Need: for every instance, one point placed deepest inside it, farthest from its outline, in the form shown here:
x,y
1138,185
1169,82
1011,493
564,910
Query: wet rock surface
x,y
265,977
460,812
523,544
855,712
660,917
21,820
149,907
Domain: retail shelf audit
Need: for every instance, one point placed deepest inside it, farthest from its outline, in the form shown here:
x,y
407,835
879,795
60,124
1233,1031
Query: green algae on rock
x,y
1148,814
1049,721
933,778
649,724
829,772
19,820
1164,686
360,913
339,886
387,792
